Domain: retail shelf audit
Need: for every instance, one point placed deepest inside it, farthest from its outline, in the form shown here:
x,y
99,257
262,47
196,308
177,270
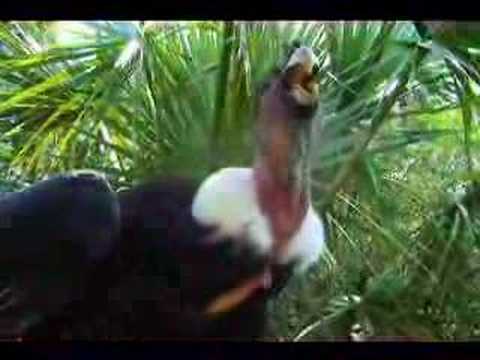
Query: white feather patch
x,y
227,199
308,243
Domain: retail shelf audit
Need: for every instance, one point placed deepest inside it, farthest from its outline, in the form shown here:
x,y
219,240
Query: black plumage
x,y
52,236
184,273
159,277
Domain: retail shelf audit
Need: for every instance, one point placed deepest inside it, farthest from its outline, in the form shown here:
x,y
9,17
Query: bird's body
x,y
207,250
170,258
165,270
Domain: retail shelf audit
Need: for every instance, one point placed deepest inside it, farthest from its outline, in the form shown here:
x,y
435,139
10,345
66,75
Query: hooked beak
x,y
300,76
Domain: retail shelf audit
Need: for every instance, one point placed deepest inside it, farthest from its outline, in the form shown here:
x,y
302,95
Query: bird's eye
x,y
315,69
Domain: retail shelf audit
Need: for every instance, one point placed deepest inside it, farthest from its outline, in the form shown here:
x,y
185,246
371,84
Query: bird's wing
x,y
51,235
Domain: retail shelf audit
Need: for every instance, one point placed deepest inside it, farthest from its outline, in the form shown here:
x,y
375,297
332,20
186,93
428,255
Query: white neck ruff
x,y
227,200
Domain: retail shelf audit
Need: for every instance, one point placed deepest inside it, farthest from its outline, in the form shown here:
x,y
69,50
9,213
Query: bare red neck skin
x,y
283,205
281,188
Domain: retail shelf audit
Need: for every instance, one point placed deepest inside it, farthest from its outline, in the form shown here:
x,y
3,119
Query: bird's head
x,y
299,77
293,92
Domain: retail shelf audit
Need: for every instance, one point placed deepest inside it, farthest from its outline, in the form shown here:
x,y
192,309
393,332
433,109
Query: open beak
x,y
300,74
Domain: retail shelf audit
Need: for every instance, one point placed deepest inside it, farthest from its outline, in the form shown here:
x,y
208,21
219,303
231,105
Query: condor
x,y
172,260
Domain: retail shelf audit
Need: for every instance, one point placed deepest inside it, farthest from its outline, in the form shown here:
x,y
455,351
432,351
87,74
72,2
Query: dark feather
x,y
160,276
52,236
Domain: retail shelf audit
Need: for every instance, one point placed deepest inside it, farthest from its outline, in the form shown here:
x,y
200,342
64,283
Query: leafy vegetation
x,y
395,165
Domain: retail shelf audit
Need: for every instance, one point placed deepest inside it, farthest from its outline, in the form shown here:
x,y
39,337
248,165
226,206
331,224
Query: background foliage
x,y
395,164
